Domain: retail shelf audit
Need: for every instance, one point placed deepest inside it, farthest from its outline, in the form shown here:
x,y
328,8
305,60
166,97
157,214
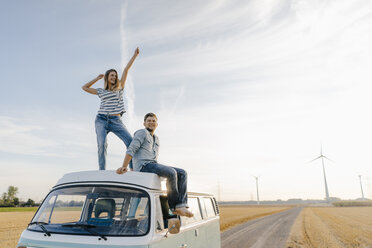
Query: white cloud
x,y
298,41
17,137
40,137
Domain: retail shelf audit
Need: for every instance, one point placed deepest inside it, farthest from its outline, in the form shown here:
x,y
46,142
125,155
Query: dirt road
x,y
266,232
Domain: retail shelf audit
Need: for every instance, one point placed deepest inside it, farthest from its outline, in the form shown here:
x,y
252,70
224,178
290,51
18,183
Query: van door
x,y
172,241
162,238
194,228
212,222
196,236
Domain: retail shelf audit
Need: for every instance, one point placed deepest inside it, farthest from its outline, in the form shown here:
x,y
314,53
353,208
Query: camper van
x,y
101,209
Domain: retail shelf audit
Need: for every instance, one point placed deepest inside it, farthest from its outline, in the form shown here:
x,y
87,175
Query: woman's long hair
x,y
107,85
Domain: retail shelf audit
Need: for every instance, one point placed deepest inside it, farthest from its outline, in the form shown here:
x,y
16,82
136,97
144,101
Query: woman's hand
x,y
86,87
136,52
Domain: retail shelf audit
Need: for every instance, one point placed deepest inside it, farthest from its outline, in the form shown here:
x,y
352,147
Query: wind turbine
x,y
258,197
322,157
361,188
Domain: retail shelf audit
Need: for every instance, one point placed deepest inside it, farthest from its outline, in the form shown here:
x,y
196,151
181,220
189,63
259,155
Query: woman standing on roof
x,y
112,108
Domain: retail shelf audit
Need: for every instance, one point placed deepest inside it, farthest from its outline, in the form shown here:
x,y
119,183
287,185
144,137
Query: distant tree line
x,y
280,202
10,199
71,203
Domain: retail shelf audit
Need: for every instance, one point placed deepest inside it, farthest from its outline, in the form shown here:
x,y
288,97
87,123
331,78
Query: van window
x,y
193,203
107,210
216,206
209,208
159,216
46,213
67,204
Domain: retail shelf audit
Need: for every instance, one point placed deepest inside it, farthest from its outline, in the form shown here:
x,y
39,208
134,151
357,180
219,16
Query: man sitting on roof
x,y
144,150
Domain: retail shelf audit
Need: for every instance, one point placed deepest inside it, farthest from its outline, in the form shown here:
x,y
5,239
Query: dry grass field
x,y
11,226
332,227
233,215
13,223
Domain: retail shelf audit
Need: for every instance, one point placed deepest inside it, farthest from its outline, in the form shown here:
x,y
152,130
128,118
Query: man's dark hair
x,y
150,115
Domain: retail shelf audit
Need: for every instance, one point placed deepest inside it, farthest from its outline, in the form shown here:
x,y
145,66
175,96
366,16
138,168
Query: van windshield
x,y
106,210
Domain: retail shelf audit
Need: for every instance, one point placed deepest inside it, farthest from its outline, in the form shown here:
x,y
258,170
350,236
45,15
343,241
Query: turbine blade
x,y
315,159
329,159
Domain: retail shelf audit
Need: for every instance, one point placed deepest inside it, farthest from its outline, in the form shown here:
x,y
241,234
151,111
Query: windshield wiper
x,y
41,224
85,227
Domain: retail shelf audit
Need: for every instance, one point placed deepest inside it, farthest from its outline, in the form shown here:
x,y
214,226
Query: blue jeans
x,y
176,183
104,125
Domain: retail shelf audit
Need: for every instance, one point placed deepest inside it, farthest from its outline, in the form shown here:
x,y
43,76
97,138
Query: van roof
x,y
142,179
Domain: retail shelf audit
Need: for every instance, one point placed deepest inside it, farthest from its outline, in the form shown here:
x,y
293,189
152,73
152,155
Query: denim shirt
x,y
143,149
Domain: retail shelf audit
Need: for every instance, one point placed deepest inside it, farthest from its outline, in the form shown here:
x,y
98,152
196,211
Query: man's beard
x,y
149,129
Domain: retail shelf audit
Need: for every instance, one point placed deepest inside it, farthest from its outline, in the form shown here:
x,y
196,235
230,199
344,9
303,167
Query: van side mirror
x,y
174,225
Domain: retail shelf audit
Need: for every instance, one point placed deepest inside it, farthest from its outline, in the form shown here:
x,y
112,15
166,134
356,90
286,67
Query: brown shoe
x,y
174,225
183,212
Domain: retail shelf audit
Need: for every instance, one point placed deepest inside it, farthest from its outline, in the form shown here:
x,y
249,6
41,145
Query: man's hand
x,y
124,167
122,170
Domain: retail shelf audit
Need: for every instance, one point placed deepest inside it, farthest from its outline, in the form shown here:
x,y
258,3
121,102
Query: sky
x,y
241,89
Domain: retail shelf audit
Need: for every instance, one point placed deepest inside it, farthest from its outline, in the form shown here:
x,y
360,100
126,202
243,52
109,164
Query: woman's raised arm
x,y
86,87
126,69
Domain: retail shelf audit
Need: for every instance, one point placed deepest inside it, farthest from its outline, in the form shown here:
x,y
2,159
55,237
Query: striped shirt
x,y
111,102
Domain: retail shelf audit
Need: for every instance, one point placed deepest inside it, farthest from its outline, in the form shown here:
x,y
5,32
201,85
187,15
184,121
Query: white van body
x,y
101,209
